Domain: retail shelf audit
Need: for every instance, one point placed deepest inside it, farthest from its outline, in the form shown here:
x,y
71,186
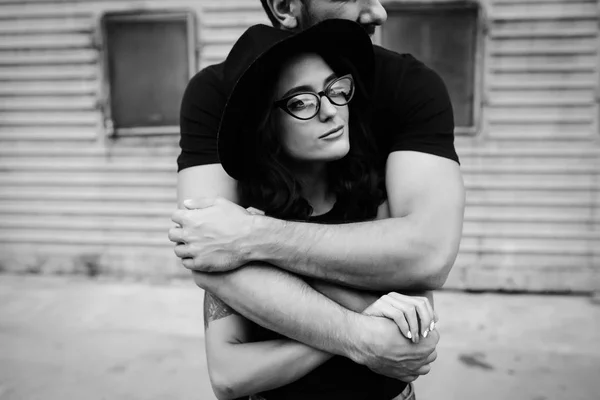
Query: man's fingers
x,y
432,357
408,378
176,235
178,216
424,370
188,263
433,337
201,202
183,251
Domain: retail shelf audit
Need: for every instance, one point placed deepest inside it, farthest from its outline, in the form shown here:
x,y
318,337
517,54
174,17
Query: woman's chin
x,y
338,154
332,152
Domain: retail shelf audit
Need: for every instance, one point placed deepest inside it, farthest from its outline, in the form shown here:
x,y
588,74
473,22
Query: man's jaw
x,y
369,28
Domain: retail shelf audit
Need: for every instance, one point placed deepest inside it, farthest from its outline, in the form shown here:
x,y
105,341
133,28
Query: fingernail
x,y
426,333
432,325
409,335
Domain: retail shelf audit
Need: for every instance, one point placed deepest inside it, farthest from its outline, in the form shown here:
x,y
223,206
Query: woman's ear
x,y
286,12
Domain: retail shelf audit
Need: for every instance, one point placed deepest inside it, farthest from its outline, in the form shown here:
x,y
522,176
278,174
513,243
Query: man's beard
x,y
307,20
370,29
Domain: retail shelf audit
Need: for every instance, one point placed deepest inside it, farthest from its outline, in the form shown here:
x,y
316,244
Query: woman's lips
x,y
335,132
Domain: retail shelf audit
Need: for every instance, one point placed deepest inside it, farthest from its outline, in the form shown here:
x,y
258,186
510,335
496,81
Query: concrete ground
x,y
75,338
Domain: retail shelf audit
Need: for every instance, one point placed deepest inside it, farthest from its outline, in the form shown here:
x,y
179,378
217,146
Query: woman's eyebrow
x,y
329,78
308,88
303,88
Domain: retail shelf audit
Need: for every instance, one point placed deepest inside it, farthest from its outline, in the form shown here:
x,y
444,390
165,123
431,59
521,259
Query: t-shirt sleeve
x,y
424,109
201,109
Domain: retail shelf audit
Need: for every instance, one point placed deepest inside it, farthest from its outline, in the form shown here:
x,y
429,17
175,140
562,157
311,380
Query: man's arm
x,y
413,250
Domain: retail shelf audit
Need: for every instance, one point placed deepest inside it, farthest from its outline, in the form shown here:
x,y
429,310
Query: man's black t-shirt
x,y
411,110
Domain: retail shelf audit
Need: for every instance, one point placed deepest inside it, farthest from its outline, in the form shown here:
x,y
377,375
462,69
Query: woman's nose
x,y
372,13
327,109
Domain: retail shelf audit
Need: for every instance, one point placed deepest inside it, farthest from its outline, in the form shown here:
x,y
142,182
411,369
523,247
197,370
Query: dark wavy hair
x,y
354,179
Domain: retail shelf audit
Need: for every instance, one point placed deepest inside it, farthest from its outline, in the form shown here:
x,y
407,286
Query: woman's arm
x,y
239,367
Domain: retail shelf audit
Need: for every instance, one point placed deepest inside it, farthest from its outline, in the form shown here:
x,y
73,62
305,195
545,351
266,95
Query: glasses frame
x,y
282,103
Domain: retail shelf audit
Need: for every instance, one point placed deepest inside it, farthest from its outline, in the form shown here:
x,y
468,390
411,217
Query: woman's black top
x,y
338,378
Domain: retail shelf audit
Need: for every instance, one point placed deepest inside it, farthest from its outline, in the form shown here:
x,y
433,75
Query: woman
x,y
294,134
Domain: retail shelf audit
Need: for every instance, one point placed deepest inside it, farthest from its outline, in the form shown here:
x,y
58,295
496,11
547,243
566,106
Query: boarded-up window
x,y
149,58
444,37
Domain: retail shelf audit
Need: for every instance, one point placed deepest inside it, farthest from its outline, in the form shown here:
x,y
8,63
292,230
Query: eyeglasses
x,y
306,105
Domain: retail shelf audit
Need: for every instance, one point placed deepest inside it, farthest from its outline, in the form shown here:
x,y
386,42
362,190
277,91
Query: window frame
x,y
105,96
481,24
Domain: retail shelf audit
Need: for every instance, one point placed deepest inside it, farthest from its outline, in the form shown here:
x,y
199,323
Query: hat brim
x,y
334,39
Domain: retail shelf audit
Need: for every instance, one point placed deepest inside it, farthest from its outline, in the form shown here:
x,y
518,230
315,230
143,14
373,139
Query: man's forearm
x,y
386,254
284,303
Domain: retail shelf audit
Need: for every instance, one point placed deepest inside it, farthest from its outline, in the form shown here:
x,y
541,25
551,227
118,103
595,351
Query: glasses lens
x,y
303,106
341,91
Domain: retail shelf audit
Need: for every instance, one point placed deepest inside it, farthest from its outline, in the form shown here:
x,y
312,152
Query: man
x,y
411,251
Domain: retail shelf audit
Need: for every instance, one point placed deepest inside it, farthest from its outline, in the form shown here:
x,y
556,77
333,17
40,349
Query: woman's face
x,y
324,137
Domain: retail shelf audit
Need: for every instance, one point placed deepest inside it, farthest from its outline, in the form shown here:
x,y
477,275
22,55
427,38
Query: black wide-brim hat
x,y
262,49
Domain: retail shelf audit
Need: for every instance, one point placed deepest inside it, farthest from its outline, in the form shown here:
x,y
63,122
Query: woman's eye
x,y
301,102
296,105
338,91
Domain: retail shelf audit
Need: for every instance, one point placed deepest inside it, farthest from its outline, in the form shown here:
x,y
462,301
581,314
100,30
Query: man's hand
x,y
210,235
387,352
409,313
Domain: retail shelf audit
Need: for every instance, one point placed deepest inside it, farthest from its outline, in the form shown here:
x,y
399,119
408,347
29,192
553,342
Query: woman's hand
x,y
412,314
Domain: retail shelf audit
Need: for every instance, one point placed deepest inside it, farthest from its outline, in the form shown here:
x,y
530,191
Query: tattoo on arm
x,y
215,308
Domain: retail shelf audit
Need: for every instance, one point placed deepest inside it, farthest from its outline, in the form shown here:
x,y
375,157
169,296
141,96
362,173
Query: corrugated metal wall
x,y
532,173
71,199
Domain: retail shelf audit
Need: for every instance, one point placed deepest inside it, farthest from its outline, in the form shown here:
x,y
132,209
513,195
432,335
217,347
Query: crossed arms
x,y
413,250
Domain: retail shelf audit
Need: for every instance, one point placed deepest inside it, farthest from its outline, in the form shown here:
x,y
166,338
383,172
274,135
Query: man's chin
x,y
370,29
